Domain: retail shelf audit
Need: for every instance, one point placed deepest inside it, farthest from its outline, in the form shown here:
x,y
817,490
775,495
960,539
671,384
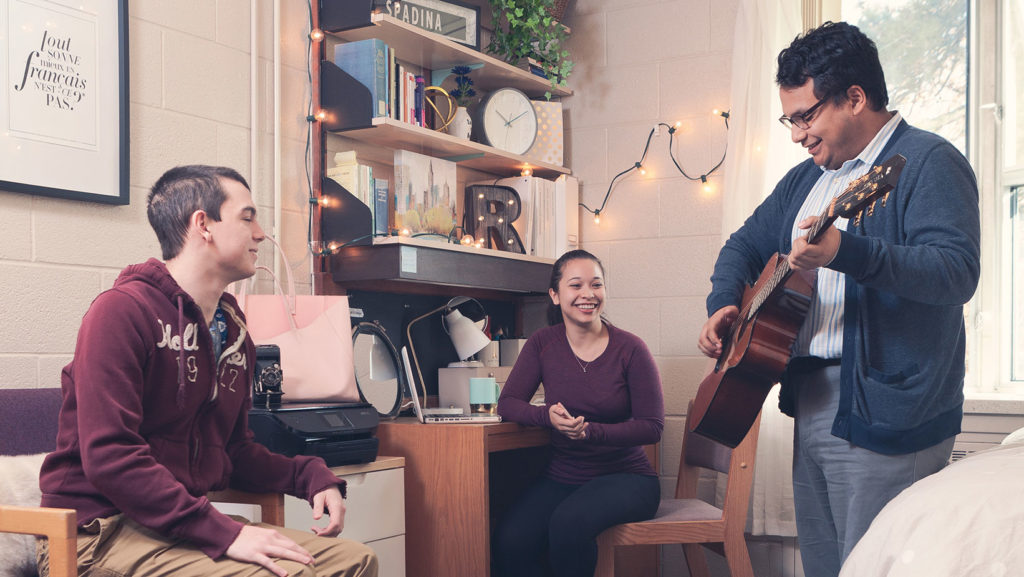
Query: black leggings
x,y
562,522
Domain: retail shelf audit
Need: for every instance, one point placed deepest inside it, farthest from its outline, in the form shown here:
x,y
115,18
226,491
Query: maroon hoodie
x,y
147,431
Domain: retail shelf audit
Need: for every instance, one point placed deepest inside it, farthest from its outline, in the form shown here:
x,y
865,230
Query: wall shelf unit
x,y
396,263
400,264
390,134
434,52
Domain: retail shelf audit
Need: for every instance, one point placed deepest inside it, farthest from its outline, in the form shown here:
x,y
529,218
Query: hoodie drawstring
x,y
181,353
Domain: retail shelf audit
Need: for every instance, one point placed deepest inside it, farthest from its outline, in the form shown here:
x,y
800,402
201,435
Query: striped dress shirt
x,y
822,332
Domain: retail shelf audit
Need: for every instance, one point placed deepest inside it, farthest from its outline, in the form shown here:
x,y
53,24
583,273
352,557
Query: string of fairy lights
x,y
321,248
638,166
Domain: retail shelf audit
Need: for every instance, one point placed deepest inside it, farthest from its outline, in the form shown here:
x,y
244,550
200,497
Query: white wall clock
x,y
508,121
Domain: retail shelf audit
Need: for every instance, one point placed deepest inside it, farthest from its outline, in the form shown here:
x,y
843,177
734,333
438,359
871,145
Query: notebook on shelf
x,y
425,416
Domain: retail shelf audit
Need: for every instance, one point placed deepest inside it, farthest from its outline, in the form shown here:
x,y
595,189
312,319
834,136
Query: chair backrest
x,y
699,451
28,420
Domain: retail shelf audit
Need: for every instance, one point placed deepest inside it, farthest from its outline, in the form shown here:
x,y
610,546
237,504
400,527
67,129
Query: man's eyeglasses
x,y
802,121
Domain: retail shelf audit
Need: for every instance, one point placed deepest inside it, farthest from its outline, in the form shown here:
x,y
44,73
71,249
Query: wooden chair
x,y
28,425
690,521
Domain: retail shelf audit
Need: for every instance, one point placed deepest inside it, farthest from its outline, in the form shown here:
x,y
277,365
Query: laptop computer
x,y
424,414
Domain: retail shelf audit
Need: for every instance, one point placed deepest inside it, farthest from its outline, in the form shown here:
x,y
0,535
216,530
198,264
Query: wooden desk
x,y
448,489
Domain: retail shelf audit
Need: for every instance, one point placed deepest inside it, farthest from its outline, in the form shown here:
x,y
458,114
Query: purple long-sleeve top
x,y
619,395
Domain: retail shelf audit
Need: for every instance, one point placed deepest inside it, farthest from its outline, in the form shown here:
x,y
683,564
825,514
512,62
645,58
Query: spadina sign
x,y
452,20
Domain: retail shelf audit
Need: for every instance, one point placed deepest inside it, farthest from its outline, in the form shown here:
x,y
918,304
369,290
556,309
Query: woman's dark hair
x,y
836,55
180,192
557,270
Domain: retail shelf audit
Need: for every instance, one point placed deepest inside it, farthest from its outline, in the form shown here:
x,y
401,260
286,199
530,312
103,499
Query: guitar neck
x,y
782,271
824,221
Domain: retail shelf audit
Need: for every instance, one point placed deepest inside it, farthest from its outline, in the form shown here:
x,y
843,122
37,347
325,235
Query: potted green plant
x,y
525,29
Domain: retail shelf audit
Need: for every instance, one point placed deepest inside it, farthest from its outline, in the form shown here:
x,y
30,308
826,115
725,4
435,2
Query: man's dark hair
x,y
180,192
836,55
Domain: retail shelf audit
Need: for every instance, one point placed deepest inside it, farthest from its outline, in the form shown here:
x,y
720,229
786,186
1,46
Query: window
x,y
923,48
1009,308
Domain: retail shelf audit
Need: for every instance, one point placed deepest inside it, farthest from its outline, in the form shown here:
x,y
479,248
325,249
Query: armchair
x,y
28,425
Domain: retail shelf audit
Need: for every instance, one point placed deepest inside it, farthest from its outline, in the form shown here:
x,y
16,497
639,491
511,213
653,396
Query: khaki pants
x,y
119,547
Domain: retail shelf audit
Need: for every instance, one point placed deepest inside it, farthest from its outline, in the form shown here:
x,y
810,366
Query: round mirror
x,y
377,368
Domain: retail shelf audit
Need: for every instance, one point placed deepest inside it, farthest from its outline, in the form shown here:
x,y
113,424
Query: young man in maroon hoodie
x,y
155,411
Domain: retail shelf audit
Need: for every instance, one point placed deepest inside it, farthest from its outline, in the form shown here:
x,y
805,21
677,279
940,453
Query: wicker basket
x,y
558,10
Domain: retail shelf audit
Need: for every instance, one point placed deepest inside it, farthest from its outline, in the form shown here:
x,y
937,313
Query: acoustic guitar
x,y
757,347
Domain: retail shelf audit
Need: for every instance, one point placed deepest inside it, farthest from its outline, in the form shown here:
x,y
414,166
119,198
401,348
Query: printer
x,y
341,433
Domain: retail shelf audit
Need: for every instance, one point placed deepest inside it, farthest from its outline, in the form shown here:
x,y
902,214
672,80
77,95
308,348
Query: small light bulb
x,y
501,220
597,218
527,171
324,201
679,124
321,114
510,241
480,218
405,232
511,201
467,239
316,35
333,246
481,195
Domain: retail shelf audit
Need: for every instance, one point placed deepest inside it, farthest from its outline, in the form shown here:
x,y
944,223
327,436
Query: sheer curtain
x,y
761,153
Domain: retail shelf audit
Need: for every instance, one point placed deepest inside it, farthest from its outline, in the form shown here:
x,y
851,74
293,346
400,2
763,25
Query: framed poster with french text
x,y
64,99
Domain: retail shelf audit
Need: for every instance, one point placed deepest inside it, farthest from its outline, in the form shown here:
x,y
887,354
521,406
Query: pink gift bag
x,y
314,333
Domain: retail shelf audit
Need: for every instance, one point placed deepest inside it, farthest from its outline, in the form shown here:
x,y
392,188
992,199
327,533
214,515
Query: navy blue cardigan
x,y
910,267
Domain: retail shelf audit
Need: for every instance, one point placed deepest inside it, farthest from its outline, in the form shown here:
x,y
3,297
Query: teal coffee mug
x,y
483,394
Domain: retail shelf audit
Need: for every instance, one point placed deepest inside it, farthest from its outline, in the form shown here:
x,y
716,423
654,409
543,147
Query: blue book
x,y
367,62
381,213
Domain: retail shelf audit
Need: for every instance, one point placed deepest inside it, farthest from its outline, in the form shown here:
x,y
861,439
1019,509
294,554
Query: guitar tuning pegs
x,y
871,209
856,219
885,198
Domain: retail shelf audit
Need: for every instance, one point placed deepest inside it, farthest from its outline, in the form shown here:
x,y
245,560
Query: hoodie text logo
x,y
174,342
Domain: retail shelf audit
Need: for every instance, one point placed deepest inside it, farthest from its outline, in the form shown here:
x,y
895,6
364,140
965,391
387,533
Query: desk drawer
x,y
391,556
375,508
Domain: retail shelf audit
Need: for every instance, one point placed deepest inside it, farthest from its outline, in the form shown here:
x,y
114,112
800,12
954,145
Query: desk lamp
x,y
467,337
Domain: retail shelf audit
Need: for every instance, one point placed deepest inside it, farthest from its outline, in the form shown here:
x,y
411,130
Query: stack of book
x,y
396,91
358,180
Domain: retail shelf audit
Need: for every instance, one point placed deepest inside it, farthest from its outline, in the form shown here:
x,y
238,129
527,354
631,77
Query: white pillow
x,y
1014,437
19,485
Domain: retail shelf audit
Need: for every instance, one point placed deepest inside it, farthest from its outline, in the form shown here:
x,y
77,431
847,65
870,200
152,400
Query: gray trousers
x,y
839,488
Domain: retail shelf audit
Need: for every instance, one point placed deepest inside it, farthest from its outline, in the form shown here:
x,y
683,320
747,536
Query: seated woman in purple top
x,y
603,400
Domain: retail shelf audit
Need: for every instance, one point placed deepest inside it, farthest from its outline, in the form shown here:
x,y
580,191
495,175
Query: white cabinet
x,y
375,510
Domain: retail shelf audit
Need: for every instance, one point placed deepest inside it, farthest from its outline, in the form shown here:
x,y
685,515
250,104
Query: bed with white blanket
x,y
964,521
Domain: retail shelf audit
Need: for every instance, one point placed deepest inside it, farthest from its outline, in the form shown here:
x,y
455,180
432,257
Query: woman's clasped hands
x,y
573,427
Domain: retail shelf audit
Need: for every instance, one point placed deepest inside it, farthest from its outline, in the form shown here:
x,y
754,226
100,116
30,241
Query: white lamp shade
x,y
466,336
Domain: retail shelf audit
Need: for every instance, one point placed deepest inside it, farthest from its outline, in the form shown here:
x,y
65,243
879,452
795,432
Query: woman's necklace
x,y
579,361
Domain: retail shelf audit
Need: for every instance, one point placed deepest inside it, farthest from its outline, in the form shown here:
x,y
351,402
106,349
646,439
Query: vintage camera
x,y
267,376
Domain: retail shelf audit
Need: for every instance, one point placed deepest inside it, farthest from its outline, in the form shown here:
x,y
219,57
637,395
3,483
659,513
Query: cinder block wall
x,y
639,63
